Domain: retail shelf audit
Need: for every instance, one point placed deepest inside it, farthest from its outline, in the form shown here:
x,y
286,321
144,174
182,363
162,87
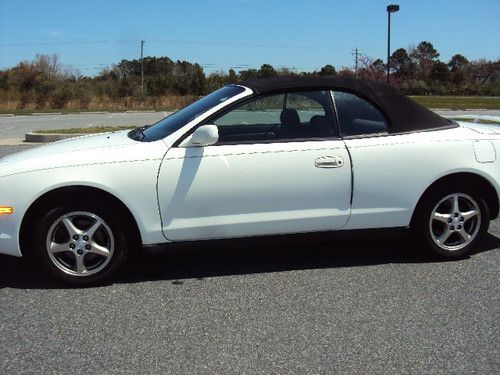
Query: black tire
x,y
428,231
110,235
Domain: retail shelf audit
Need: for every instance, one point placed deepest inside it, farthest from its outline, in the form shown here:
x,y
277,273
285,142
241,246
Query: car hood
x,y
92,149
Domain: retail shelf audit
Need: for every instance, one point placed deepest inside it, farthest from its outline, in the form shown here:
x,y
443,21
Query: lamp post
x,y
393,8
142,67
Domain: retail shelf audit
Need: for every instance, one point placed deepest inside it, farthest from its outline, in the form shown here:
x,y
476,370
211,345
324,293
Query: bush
x,y
414,87
60,97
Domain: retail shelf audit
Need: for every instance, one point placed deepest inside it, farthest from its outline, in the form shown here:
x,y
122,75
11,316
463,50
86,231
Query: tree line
x,y
45,83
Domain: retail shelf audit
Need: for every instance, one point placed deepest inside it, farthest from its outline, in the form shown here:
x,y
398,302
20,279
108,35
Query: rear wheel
x,y
452,222
81,244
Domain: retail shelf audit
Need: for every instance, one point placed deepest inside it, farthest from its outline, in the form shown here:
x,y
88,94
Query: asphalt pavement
x,y
316,307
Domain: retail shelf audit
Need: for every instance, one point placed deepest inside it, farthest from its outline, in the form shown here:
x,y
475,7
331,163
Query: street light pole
x,y
393,8
142,67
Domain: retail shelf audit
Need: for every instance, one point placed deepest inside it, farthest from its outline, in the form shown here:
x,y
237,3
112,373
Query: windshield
x,y
180,118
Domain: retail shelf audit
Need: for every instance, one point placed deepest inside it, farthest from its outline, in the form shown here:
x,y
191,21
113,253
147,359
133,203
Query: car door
x,y
279,167
388,168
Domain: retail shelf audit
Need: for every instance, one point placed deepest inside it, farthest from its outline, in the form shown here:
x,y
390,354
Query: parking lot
x,y
365,306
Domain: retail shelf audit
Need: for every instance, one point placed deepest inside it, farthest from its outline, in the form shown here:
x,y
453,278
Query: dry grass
x,y
164,103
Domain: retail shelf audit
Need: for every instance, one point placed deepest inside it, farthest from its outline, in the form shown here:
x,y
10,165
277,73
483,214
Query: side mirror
x,y
205,135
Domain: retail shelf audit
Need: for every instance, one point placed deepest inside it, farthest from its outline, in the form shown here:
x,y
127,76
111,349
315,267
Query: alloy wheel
x,y
455,222
80,243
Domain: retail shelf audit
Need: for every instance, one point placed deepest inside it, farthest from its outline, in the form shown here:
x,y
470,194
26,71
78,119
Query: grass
x,y
91,130
458,102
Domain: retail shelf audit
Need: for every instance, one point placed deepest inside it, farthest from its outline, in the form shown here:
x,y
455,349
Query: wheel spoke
x,y
441,217
455,205
98,249
91,231
444,236
466,236
58,247
80,265
469,214
70,227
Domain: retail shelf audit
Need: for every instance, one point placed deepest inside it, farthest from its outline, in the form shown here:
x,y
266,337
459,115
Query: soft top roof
x,y
402,113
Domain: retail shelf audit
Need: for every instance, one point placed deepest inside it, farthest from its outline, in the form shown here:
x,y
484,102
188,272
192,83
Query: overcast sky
x,y
223,34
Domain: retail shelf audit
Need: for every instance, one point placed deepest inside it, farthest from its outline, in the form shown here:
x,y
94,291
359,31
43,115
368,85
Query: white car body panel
x,y
129,173
392,172
248,189
255,189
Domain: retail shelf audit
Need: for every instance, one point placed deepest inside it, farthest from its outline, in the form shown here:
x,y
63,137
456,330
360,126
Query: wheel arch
x,y
483,185
66,193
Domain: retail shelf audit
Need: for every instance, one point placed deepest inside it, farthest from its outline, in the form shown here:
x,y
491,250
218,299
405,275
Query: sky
x,y
304,35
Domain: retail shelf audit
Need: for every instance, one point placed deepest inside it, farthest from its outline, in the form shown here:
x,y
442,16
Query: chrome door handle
x,y
329,162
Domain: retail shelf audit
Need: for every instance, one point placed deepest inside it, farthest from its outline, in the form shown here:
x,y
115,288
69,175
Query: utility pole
x,y
142,67
355,54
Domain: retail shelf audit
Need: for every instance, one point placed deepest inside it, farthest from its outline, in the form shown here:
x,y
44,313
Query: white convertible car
x,y
267,157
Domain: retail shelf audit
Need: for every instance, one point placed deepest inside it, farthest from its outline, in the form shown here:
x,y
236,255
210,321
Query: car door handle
x,y
329,162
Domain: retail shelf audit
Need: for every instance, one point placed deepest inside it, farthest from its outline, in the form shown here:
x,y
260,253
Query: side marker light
x,y
5,210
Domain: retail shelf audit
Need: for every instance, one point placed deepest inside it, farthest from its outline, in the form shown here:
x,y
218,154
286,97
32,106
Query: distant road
x,y
16,127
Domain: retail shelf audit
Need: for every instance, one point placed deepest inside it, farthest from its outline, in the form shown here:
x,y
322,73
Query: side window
x,y
357,116
306,107
279,117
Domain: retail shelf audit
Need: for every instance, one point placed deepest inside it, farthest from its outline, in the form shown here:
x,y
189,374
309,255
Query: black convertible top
x,y
402,113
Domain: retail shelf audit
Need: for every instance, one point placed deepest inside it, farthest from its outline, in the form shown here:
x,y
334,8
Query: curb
x,y
46,114
90,112
7,115
44,138
11,142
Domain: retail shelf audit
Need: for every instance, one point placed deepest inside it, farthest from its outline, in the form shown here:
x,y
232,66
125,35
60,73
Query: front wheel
x,y
452,222
81,244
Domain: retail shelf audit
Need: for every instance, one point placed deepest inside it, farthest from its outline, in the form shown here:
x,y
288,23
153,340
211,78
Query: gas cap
x,y
484,151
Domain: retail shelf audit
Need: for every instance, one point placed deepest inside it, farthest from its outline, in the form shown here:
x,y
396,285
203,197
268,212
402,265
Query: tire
x,y
81,243
452,221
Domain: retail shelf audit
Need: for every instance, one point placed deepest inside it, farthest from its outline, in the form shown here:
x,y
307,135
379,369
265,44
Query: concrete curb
x,y
90,112
7,115
46,114
11,142
44,138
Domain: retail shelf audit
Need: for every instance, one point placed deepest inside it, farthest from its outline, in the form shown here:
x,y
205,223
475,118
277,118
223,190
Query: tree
x,y
267,70
327,70
424,56
402,64
457,62
440,72
249,74
458,65
346,72
372,70
232,77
